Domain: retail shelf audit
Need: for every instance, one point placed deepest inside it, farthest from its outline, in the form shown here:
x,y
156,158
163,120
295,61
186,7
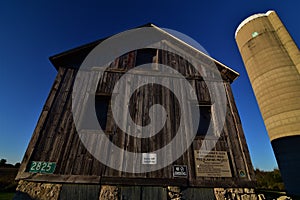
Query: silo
x,y
272,61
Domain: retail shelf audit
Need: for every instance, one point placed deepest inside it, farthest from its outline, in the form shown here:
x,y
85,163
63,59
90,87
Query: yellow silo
x,y
272,61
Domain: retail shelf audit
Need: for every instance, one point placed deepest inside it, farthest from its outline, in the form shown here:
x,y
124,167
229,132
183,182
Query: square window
x,y
145,56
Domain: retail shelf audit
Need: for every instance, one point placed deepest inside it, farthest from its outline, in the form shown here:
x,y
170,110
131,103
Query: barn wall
x,y
55,138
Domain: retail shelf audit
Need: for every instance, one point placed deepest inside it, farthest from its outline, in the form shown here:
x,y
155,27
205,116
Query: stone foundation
x,y
235,194
109,192
174,193
36,190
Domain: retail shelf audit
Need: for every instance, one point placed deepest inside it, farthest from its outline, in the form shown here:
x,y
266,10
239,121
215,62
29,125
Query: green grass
x,y
7,180
6,195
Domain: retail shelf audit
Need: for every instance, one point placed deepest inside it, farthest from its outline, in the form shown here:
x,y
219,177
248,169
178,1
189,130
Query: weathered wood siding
x,y
55,138
198,193
79,192
145,193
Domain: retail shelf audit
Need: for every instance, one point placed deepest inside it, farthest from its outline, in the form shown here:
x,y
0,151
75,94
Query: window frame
x,y
211,120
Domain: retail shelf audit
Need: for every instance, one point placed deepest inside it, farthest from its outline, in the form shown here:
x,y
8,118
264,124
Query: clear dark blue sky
x,y
31,31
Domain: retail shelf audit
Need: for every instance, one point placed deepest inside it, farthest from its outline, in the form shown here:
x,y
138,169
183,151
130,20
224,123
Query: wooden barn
x,y
57,165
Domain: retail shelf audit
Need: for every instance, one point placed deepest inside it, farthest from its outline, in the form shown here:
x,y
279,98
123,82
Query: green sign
x,y
242,173
42,167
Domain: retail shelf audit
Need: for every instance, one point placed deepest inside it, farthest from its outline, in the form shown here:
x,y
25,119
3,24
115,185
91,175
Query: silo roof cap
x,y
248,19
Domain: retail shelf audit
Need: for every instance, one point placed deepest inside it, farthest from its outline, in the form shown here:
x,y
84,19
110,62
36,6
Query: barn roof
x,y
74,57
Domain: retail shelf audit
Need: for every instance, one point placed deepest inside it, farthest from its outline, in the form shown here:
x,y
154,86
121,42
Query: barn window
x,y
145,56
204,120
101,107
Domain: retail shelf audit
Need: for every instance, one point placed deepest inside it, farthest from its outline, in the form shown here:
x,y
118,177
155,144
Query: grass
x,y
6,195
7,183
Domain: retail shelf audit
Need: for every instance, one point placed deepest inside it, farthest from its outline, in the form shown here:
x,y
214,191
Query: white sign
x,y
149,159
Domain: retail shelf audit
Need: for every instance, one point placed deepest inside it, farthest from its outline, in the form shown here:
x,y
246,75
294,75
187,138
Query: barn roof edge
x,y
57,60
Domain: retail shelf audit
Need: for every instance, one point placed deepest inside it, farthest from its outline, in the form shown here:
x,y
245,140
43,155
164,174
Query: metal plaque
x,y
149,159
180,171
42,167
212,164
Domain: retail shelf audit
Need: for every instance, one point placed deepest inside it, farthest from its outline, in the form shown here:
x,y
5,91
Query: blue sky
x,y
31,31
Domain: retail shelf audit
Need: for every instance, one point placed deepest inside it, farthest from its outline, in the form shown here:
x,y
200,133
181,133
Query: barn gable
x,y
74,57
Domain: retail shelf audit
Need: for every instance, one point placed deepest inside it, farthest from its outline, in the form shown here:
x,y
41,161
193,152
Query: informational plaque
x,y
149,159
212,164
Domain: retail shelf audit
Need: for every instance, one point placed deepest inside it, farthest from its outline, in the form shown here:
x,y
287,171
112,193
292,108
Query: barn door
x,y
198,194
142,193
79,192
